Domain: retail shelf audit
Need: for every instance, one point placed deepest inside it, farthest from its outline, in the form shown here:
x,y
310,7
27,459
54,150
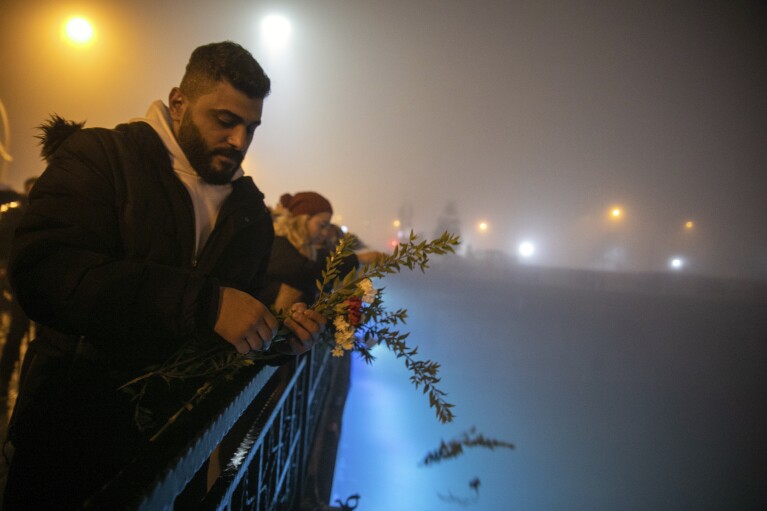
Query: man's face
x,y
215,129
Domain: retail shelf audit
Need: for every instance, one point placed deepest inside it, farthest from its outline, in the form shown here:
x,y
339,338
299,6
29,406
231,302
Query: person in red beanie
x,y
301,224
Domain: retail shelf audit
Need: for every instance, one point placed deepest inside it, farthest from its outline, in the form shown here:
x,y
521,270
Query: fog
x,y
536,117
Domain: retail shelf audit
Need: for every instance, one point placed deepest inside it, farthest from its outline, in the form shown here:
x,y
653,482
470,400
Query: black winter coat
x,y
104,261
106,249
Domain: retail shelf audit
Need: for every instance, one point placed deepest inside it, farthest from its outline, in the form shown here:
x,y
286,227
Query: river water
x,y
628,399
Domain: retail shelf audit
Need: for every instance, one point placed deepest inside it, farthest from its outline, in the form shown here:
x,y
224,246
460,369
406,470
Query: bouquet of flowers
x,y
356,321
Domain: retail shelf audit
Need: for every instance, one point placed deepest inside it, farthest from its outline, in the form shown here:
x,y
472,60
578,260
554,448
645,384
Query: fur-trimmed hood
x,y
54,132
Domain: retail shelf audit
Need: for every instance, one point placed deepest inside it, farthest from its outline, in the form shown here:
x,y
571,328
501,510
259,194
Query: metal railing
x,y
261,423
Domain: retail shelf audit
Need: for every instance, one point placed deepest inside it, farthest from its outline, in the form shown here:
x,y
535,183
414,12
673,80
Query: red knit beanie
x,y
306,203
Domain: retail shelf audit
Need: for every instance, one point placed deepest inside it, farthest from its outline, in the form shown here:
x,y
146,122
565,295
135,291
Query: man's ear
x,y
177,104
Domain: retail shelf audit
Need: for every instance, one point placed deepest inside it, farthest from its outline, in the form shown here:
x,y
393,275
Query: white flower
x,y
344,334
340,323
369,291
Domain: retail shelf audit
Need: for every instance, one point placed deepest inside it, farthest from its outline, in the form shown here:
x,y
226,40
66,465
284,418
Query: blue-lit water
x,y
614,400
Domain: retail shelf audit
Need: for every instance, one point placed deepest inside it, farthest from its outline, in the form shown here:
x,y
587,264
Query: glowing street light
x,y
78,31
616,213
526,249
676,263
689,225
483,227
275,31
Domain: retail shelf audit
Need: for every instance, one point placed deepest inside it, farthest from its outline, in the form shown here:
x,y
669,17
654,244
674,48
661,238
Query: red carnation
x,y
353,310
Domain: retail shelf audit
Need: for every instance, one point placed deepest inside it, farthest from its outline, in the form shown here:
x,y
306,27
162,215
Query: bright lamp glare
x,y
79,30
676,263
526,249
275,31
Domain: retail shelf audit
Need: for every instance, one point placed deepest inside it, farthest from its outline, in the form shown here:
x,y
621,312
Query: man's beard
x,y
201,157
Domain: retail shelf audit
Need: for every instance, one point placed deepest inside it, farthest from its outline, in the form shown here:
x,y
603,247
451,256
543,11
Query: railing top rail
x,y
162,470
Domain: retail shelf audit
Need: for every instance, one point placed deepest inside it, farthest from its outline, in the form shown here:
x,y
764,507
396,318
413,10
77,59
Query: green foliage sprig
x,y
380,324
339,297
455,448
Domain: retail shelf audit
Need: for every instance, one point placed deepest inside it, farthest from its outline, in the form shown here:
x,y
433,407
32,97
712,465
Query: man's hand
x,y
306,325
244,322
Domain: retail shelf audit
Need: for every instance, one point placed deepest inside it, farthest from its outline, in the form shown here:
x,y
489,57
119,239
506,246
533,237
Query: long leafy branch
x,y
380,326
202,359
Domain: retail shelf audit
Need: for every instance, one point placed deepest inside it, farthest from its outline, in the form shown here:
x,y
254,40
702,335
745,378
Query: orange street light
x,y
689,225
78,31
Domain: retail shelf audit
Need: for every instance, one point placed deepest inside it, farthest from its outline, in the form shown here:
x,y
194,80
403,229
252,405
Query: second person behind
x,y
301,225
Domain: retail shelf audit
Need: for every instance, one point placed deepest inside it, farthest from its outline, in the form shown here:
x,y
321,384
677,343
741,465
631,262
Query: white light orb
x,y
526,249
275,31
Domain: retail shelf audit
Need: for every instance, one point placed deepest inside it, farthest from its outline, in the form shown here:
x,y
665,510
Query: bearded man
x,y
136,238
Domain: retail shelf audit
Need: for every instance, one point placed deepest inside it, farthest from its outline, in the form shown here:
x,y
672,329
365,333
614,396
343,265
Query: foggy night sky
x,y
535,116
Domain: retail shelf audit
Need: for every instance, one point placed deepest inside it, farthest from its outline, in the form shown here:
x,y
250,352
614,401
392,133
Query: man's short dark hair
x,y
225,61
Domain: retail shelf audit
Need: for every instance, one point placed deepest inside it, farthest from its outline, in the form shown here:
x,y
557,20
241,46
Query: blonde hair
x,y
294,228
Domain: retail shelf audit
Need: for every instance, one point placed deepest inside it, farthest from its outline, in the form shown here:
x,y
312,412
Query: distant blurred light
x,y
275,31
483,226
393,243
396,223
616,213
344,229
676,263
689,225
78,30
9,205
526,249
5,135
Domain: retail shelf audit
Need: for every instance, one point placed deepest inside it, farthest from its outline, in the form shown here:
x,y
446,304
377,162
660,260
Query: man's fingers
x,y
258,339
306,325
244,322
265,333
297,328
242,346
271,323
301,341
298,307
317,318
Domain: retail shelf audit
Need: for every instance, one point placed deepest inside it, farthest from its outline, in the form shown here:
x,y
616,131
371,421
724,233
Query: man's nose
x,y
238,138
